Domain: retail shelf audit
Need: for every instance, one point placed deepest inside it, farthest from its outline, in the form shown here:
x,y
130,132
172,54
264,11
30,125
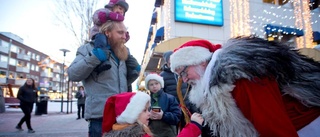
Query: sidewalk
x,y
54,124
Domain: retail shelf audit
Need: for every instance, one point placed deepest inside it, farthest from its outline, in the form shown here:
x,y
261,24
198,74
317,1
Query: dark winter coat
x,y
26,94
81,99
171,114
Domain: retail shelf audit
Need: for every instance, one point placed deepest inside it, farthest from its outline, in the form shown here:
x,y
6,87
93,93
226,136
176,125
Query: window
x,y
13,48
28,65
33,56
32,67
38,57
36,78
21,51
29,53
4,46
3,73
37,68
13,62
276,2
12,75
20,76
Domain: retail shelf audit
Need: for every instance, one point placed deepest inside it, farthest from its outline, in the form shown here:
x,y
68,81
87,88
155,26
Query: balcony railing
x,y
19,81
48,75
24,57
4,49
3,80
23,69
56,70
3,65
44,85
56,79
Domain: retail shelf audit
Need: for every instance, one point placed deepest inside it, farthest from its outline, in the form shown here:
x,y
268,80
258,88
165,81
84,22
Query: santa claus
x,y
251,87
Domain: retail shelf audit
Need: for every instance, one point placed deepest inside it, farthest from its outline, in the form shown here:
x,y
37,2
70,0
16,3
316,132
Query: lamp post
x,y
62,83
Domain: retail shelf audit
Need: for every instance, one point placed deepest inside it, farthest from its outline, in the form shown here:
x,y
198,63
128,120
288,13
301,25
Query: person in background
x,y
81,96
251,87
127,115
27,95
115,11
100,86
165,110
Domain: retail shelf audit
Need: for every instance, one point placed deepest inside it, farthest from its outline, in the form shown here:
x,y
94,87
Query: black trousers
x,y
80,107
26,108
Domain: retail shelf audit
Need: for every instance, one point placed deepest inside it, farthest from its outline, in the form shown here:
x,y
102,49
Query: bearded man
x,y
251,87
100,86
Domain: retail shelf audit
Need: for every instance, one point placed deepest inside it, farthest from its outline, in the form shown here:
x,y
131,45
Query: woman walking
x,y
27,95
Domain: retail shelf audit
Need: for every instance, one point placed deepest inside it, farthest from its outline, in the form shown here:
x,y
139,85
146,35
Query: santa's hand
x,y
196,117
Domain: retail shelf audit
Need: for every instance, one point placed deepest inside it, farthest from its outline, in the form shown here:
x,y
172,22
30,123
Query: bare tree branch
x,y
76,16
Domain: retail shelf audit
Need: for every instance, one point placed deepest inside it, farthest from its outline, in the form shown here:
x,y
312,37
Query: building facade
x,y
174,22
19,62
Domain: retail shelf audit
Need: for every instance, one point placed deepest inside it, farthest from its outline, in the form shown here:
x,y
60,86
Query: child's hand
x,y
196,117
156,115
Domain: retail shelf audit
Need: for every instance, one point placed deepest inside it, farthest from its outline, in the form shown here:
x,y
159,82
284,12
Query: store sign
x,y
208,12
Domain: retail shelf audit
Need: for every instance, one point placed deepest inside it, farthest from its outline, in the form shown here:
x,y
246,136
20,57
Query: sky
x,y
33,21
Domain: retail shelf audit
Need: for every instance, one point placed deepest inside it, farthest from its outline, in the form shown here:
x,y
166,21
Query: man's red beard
x,y
119,49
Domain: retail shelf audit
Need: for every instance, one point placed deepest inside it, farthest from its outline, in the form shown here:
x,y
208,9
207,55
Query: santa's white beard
x,y
196,95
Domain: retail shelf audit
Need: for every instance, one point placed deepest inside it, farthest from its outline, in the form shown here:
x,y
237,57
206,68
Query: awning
x,y
312,53
151,30
283,30
154,18
159,35
316,36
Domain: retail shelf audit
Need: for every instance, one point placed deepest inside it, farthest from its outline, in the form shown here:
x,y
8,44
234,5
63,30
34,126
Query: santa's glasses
x,y
183,73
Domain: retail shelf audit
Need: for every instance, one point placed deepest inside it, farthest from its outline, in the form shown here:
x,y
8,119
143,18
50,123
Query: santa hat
x,y
121,3
192,53
123,108
154,77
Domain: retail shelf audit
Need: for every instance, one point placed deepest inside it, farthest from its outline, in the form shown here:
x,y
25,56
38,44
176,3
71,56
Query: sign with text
x,y
208,12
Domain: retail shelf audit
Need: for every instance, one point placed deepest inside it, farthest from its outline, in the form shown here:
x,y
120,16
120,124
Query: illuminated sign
x,y
199,11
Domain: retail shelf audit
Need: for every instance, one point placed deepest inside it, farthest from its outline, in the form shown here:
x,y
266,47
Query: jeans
x,y
95,127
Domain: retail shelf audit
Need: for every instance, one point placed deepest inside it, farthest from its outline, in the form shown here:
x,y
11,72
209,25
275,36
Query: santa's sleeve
x,y
261,103
190,130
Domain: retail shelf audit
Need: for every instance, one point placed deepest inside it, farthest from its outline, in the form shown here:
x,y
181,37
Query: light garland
x,y
307,25
167,13
239,17
300,15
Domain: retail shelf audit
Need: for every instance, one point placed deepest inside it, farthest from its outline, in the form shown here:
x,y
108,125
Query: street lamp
x,y
62,83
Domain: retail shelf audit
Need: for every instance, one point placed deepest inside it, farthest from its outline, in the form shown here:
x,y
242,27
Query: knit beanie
x,y
121,3
166,56
154,77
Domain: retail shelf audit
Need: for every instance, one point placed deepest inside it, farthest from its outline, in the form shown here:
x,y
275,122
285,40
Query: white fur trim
x,y
134,108
187,56
154,77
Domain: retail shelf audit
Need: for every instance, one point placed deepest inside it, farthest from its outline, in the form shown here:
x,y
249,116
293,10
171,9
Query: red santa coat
x,y
271,113
190,130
